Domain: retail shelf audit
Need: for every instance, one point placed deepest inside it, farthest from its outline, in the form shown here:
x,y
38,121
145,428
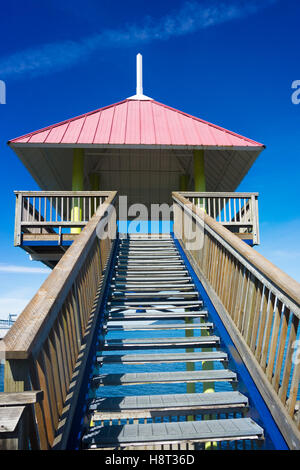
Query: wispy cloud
x,y
15,269
193,16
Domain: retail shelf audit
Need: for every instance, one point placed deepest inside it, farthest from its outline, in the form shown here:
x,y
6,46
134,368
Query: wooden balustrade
x,y
54,212
258,303
237,211
43,347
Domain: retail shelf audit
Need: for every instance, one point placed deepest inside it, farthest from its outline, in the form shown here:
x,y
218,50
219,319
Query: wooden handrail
x,y
237,211
50,212
258,303
43,345
286,283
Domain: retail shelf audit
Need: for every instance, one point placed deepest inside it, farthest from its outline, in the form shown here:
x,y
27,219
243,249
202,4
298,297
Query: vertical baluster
x,y
51,202
219,206
293,330
274,339
40,202
281,348
234,208
267,333
240,210
68,209
33,208
224,210
62,209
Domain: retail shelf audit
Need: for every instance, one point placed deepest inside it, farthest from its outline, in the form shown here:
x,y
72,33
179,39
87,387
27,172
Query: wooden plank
x,y
111,407
169,326
129,303
222,375
196,431
153,343
143,295
20,398
162,358
9,418
155,316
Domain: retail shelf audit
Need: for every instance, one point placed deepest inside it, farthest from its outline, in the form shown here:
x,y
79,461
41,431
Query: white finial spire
x,y
139,80
139,74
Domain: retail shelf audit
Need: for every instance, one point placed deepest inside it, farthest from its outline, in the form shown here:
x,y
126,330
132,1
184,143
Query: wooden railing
x,y
258,303
48,341
236,211
54,212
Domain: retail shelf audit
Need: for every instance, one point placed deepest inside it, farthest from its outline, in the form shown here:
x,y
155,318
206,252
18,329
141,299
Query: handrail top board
x,y
217,194
63,193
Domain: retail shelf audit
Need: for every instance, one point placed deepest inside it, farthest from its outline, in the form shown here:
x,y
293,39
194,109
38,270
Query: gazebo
x,y
140,147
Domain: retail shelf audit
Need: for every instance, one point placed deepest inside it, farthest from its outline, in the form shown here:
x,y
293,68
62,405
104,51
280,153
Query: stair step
x,y
179,432
142,295
150,406
152,255
182,303
154,288
156,343
156,316
222,375
161,358
168,326
157,251
146,279
152,270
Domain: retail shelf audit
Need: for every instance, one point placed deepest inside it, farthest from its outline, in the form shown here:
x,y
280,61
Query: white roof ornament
x,y
139,80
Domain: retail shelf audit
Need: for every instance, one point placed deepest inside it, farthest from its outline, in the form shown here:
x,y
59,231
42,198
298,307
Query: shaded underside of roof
x,y
139,148
144,175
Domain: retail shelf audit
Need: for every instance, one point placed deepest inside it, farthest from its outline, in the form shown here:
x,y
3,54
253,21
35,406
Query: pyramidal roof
x,y
136,122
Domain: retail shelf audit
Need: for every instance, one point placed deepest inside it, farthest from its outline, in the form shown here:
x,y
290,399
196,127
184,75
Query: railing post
x,y
18,217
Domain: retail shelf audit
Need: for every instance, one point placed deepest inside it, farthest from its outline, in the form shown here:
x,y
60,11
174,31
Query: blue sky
x,y
229,62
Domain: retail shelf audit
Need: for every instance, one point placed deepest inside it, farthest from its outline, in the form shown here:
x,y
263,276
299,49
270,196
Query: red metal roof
x,y
136,122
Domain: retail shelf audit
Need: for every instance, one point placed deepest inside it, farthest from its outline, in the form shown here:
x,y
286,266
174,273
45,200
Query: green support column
x,y
200,186
199,174
77,185
95,186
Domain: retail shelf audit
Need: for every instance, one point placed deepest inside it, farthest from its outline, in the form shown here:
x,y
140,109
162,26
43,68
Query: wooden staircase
x,y
148,334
